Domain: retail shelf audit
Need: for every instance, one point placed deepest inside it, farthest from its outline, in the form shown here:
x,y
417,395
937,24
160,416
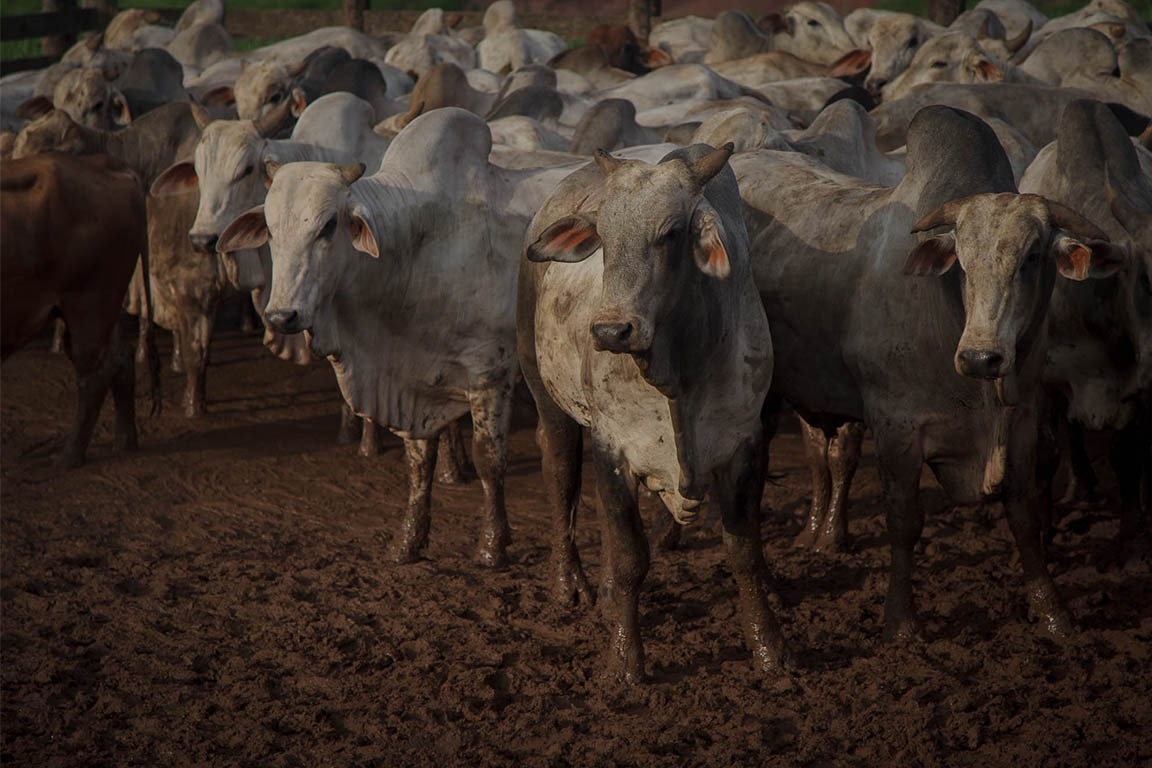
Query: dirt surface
x,y
222,598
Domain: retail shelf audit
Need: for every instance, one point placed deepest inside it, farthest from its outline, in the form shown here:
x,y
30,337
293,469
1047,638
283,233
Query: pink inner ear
x,y
571,239
989,71
931,257
718,259
1075,264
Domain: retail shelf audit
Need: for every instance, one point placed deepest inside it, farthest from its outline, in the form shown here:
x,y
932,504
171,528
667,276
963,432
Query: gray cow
x,y
1100,348
637,317
874,324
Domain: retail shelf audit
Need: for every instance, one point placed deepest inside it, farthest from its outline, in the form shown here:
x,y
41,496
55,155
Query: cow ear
x,y
773,23
852,63
654,58
221,97
572,239
933,256
122,115
363,239
299,102
249,230
176,179
34,108
708,242
988,71
1083,258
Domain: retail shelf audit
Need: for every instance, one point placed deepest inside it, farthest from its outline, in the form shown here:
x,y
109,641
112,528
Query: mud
x,y
222,597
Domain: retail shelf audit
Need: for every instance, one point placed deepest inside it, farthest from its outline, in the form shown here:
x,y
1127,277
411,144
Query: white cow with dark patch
x,y
638,319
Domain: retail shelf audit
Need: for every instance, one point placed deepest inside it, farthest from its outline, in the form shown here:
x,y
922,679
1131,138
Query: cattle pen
x,y
228,594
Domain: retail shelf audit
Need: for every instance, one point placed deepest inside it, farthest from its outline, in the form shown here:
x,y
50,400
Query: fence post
x,y
55,45
354,13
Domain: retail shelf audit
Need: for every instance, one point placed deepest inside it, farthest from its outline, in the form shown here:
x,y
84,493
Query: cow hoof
x,y
404,554
832,545
902,632
495,558
571,585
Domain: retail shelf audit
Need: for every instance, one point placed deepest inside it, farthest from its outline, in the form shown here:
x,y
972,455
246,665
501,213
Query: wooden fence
x,y
59,29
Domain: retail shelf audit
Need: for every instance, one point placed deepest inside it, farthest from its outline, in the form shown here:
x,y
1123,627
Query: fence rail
x,y
60,28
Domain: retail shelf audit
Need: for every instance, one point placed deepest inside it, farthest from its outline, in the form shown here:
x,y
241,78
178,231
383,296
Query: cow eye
x,y
275,98
813,23
329,229
939,64
913,42
1032,258
247,170
97,106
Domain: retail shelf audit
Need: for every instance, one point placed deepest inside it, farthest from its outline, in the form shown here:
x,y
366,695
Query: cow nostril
x,y
284,321
613,337
982,363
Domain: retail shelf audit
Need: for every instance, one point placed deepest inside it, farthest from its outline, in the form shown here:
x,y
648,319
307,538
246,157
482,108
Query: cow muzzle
x,y
284,321
620,334
204,243
980,363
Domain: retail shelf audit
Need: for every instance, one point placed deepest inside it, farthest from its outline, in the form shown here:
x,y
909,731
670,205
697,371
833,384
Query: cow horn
x,y
704,169
93,42
351,171
942,216
1017,42
1067,219
201,115
269,123
607,163
985,30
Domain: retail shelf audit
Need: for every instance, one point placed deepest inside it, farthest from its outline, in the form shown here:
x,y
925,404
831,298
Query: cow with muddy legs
x,y
638,319
1100,335
405,281
938,341
71,229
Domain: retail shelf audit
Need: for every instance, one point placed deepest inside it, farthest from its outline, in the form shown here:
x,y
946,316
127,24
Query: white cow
x,y
639,320
405,280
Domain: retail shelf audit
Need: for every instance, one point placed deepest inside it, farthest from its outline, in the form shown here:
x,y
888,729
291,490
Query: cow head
x,y
91,100
954,57
228,167
309,216
809,30
659,235
52,131
1010,248
894,39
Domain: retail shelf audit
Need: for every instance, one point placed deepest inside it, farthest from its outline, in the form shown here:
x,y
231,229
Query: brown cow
x,y
71,229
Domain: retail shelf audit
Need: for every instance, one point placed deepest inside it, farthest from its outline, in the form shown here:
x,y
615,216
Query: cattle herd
x,y
938,235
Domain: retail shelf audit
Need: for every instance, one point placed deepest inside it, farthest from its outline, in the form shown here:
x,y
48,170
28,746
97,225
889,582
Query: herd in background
x,y
939,234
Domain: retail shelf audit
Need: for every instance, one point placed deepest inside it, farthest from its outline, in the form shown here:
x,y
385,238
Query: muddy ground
x,y
221,598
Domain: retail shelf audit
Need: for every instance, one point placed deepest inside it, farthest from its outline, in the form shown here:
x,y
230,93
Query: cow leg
x,y
95,367
1131,456
455,465
561,442
413,536
843,459
1022,508
58,330
626,560
123,388
195,338
739,493
349,425
491,407
369,438
899,464
816,451
1083,481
